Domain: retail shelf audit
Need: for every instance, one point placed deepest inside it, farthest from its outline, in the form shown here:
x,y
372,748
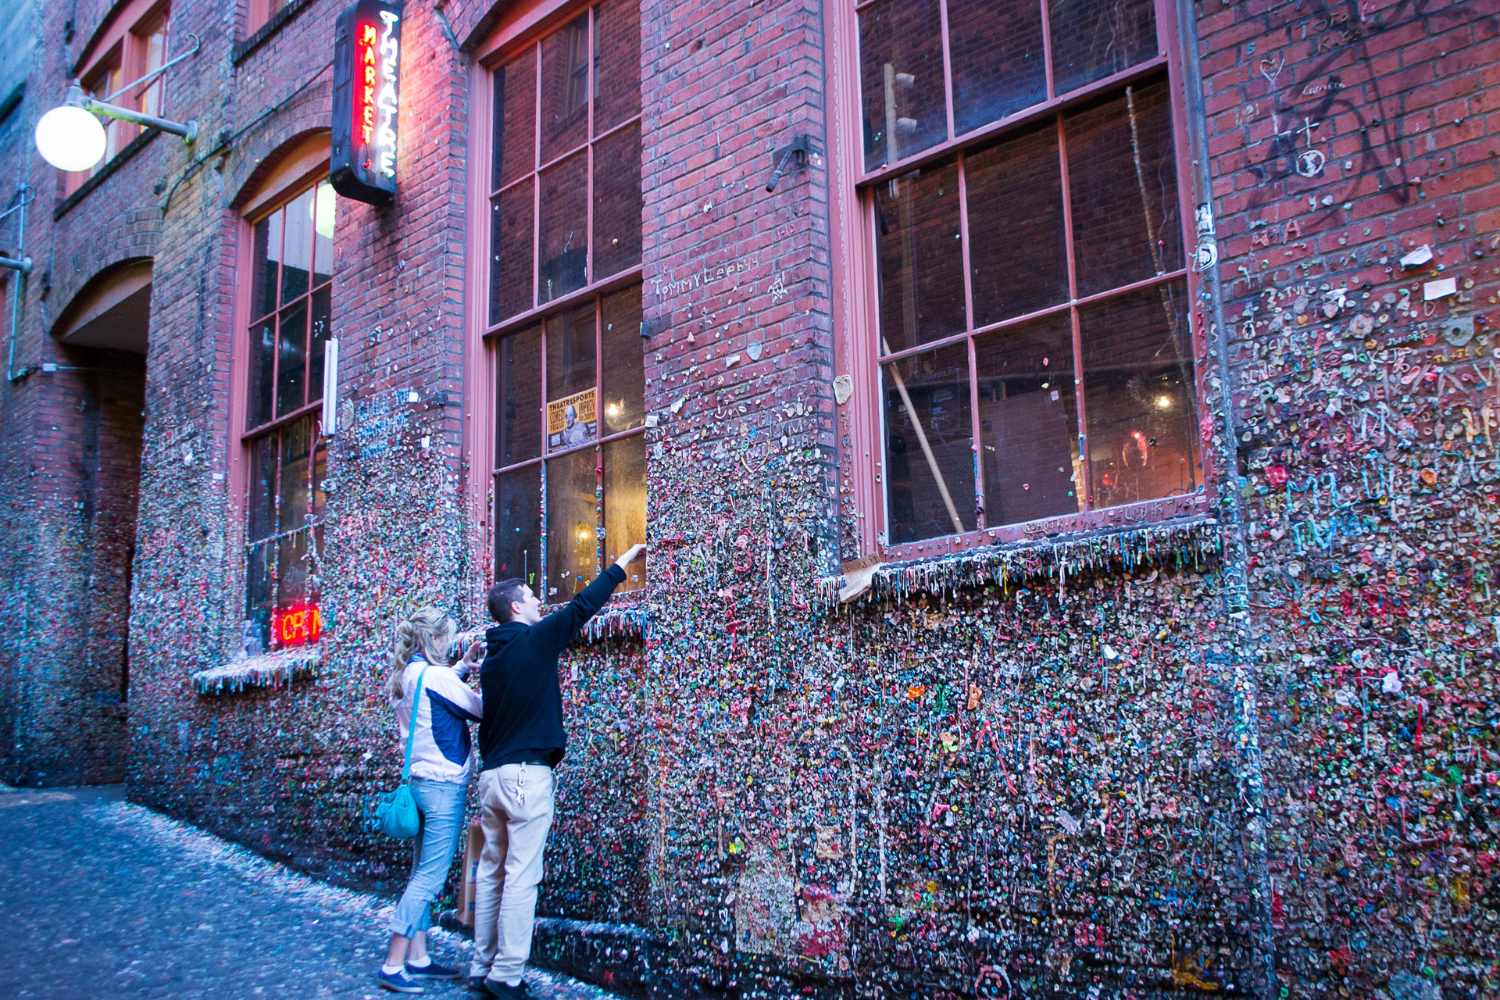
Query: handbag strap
x,y
411,730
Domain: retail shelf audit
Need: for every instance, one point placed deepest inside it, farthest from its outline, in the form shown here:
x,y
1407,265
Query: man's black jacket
x,y
522,702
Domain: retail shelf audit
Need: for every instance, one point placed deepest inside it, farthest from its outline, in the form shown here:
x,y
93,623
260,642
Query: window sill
x,y
279,669
273,24
1190,540
105,172
625,617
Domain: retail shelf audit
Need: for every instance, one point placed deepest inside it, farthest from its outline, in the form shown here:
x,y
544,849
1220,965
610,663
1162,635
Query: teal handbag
x,y
397,812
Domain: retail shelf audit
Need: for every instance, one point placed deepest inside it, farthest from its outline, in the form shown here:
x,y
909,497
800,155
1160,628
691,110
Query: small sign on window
x,y
572,419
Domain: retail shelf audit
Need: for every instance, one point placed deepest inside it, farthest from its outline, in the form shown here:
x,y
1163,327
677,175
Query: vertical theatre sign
x,y
366,100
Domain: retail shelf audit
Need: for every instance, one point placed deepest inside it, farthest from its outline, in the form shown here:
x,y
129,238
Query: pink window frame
x,y
122,37
855,286
520,26
306,165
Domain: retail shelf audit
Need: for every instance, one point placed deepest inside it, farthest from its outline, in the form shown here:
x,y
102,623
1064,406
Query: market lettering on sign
x,y
378,55
367,100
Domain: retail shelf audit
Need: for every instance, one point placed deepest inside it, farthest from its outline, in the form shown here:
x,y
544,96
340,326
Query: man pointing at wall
x,y
521,740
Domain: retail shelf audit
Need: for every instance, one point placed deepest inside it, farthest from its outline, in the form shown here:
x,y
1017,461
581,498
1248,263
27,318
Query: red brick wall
x,y
1342,136
1130,766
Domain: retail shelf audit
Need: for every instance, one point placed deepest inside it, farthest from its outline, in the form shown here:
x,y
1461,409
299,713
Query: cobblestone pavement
x,y
110,899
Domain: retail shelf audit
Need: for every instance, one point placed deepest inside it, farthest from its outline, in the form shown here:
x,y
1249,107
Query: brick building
x,y
1064,432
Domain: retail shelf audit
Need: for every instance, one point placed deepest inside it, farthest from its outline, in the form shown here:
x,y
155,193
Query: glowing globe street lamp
x,y
72,138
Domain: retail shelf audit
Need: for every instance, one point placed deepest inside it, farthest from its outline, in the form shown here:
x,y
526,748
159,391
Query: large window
x,y
291,284
1021,180
131,46
262,11
564,301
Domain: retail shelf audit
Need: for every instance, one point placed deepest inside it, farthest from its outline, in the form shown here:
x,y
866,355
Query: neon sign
x,y
366,100
299,625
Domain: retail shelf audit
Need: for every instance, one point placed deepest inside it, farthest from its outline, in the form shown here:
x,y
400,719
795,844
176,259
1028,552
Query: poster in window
x,y
572,419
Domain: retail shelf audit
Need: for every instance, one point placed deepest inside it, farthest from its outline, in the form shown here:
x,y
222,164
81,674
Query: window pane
x,y
323,234
260,571
1138,397
297,264
262,503
510,252
570,353
572,524
565,77
920,258
291,364
625,502
291,577
321,325
1017,247
267,254
319,474
295,492
1122,179
518,397
564,207
624,368
997,59
1028,421
514,111
572,404
518,517
617,63
617,202
901,78
1091,40
927,399
155,45
262,362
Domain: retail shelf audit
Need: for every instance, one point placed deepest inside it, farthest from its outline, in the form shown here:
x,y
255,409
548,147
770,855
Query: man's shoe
x,y
496,988
475,984
431,970
399,982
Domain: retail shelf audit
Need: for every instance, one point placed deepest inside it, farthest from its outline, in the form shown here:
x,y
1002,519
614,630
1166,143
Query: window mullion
x,y
981,507
276,313
947,66
598,419
542,440
307,320
1081,407
1047,47
536,196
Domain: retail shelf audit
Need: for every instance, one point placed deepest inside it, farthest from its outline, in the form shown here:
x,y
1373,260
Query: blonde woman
x,y
430,695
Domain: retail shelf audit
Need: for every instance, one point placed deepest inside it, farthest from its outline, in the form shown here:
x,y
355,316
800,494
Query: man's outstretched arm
x,y
563,625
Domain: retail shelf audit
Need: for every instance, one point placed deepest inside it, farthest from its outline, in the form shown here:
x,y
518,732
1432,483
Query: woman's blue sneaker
x,y
399,982
431,970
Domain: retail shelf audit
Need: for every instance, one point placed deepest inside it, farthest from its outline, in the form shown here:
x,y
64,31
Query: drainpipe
x,y
1236,582
22,266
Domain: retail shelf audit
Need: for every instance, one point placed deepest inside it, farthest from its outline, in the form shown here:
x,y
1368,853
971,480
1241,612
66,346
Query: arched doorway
x,y
102,335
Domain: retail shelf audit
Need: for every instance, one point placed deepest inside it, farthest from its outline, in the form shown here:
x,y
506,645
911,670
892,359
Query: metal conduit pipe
x,y
22,267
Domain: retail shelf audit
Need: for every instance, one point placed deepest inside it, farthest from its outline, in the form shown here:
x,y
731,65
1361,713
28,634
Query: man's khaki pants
x,y
515,812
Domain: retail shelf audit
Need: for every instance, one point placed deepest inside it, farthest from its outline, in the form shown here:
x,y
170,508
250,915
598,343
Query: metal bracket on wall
x,y
797,152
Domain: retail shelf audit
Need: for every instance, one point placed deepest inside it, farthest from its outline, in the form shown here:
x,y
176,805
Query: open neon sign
x,y
366,100
298,625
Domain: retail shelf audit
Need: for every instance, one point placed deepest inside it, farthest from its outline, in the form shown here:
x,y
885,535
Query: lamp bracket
x,y
158,71
797,151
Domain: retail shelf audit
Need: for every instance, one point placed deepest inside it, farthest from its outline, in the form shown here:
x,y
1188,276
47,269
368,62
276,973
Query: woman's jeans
x,y
441,805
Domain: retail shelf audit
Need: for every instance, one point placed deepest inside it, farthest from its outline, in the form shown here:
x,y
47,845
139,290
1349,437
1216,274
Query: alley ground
x,y
109,899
